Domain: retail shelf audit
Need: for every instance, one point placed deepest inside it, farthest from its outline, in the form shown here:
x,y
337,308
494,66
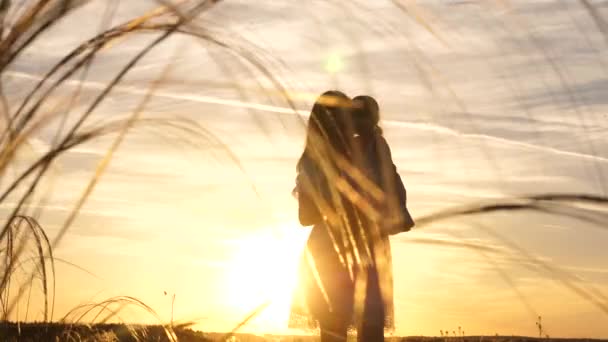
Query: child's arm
x,y
394,188
390,173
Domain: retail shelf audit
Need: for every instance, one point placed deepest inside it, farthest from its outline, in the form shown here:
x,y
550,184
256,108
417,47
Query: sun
x,y
263,271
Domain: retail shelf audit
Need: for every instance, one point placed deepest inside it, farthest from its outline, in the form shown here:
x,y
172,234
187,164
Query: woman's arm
x,y
308,213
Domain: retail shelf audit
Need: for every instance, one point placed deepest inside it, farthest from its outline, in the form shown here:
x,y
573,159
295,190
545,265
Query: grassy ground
x,y
120,332
98,332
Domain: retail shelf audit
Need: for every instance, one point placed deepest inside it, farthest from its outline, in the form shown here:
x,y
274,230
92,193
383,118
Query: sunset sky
x,y
495,99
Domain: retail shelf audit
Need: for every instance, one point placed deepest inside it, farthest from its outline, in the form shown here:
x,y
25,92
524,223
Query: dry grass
x,y
22,235
26,252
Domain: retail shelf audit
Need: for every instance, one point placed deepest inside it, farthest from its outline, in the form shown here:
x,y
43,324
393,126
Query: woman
x,y
345,275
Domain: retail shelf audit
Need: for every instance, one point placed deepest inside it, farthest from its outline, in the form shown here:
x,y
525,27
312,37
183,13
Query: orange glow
x,y
262,270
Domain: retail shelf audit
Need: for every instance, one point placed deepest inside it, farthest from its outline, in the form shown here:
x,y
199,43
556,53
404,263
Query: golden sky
x,y
479,118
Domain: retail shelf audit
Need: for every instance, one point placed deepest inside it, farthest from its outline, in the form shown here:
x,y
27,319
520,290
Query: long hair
x,y
324,134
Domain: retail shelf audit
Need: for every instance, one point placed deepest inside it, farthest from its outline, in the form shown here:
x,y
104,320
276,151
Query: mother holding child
x,y
349,190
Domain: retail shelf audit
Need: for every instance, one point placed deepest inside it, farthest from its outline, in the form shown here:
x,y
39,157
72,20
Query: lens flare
x,y
334,63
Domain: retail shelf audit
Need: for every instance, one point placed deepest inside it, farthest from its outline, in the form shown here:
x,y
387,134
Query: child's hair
x,y
367,114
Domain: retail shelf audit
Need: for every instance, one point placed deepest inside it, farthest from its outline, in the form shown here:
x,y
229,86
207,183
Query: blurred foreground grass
x,y
27,332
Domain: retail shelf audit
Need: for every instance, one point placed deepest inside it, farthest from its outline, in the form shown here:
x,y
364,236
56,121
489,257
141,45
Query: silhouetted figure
x,y
346,186
379,163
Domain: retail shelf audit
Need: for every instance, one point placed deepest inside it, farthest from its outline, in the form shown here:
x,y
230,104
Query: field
x,y
148,152
116,332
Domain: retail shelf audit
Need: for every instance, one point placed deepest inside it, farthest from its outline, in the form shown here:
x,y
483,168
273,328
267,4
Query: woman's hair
x,y
366,115
325,133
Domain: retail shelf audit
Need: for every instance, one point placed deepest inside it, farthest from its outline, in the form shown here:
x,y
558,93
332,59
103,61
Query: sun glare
x,y
333,63
263,269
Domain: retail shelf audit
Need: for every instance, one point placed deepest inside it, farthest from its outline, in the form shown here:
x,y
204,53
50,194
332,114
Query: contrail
x,y
165,94
449,131
285,110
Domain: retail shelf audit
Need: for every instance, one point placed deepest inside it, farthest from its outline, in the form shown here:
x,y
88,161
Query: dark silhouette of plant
x,y
539,326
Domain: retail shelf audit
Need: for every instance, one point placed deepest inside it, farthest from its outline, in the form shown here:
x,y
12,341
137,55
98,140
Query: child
x,y
377,154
